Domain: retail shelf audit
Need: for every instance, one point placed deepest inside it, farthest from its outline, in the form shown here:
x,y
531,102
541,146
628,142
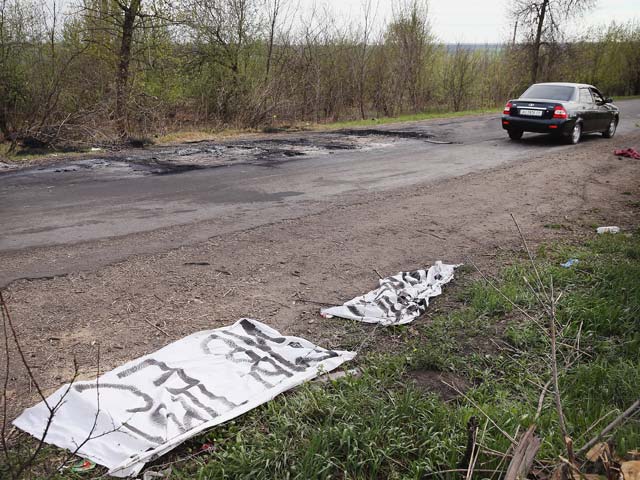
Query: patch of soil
x,y
432,381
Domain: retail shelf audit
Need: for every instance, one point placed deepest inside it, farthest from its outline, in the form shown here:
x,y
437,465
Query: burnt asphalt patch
x,y
268,152
406,134
369,132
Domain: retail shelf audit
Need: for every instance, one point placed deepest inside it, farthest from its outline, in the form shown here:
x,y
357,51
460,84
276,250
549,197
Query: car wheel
x,y
611,131
515,134
576,133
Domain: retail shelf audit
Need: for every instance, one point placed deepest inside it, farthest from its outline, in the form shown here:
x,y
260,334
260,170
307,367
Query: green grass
x,y
404,118
627,97
382,426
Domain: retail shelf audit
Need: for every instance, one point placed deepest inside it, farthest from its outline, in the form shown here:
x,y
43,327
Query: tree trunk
x,y
124,59
4,127
535,64
272,34
361,80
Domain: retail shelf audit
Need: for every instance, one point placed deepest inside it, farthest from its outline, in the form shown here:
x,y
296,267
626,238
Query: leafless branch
x,y
628,413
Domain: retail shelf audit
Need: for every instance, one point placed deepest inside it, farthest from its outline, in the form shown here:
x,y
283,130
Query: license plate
x,y
531,113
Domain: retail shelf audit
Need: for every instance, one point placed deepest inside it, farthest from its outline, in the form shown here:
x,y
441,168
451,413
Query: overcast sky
x,y
476,21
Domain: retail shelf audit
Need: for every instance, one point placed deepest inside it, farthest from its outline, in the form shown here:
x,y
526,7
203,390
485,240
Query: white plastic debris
x,y
151,475
602,230
330,377
141,410
399,299
570,263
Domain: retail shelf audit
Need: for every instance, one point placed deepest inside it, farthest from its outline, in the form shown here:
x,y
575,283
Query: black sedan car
x,y
563,109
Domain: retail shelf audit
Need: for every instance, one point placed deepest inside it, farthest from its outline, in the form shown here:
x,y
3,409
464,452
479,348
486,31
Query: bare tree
x,y
368,17
4,67
17,21
459,75
30,33
544,20
274,12
409,34
130,12
116,26
222,33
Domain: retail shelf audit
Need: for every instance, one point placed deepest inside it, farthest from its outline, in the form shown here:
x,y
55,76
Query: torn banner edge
x,y
134,464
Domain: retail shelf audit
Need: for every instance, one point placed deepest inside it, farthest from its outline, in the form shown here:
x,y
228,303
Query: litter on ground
x,y
602,230
399,299
83,466
570,263
146,407
627,152
152,475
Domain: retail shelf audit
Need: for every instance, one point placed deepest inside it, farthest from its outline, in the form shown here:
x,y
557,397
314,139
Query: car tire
x,y
611,131
515,134
576,133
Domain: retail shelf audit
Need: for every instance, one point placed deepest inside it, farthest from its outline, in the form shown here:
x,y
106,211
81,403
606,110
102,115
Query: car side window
x,y
597,97
585,96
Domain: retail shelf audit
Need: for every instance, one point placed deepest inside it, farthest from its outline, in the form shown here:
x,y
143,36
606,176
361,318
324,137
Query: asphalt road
x,y
114,207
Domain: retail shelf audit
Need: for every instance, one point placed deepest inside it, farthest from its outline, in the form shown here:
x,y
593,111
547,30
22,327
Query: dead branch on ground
x,y
524,455
629,412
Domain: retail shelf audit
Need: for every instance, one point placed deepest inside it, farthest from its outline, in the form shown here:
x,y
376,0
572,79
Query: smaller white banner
x,y
399,299
143,409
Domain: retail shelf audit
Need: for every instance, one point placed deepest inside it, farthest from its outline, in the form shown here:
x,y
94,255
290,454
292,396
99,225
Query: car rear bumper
x,y
553,125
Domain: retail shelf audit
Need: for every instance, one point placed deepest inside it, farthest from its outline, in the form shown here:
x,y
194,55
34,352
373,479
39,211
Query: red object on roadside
x,y
83,466
629,152
206,447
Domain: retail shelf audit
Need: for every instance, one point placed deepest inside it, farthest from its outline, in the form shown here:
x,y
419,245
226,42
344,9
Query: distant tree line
x,y
105,70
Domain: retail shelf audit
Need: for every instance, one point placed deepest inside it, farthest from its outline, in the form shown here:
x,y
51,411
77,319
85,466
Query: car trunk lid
x,y
542,109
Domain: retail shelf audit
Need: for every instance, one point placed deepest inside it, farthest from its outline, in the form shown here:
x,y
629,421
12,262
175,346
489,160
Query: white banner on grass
x,y
399,299
150,405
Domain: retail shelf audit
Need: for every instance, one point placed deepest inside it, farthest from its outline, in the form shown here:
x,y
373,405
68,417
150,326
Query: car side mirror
x,y
608,100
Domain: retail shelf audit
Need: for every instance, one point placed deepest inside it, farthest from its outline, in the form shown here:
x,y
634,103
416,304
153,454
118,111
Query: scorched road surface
x,y
153,200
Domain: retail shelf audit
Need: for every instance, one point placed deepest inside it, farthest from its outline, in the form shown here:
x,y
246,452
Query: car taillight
x,y
507,109
559,112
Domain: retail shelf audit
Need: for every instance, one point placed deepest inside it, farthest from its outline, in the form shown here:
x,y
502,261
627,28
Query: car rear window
x,y
551,92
